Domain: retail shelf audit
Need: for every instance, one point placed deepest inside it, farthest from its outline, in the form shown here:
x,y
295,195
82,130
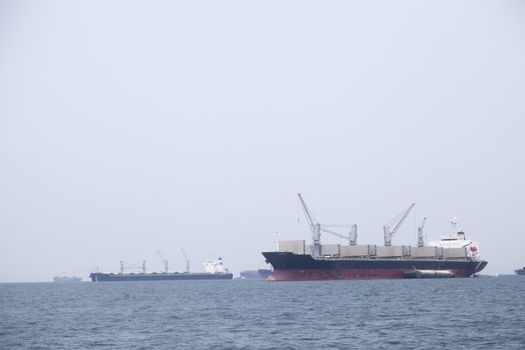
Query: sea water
x,y
473,313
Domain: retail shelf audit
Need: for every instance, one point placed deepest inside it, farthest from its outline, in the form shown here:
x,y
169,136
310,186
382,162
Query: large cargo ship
x,y
213,270
520,271
451,256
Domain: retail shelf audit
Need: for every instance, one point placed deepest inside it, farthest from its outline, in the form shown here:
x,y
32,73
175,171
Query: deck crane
x,y
421,234
127,266
316,229
164,262
390,233
351,238
186,259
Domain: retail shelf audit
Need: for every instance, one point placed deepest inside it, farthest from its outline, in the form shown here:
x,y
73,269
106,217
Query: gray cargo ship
x,y
520,271
213,270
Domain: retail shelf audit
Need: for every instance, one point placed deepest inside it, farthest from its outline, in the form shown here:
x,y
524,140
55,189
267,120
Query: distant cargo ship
x,y
520,271
214,270
255,274
67,279
452,256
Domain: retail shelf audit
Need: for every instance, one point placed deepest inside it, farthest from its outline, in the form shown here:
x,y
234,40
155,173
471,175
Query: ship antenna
x,y
454,224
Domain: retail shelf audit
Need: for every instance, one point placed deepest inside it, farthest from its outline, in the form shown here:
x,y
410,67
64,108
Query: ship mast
x,y
454,225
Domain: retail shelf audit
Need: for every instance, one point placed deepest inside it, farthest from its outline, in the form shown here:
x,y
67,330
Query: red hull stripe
x,y
347,274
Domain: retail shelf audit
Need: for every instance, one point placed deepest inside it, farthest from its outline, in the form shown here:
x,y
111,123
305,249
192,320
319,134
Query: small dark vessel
x,y
520,271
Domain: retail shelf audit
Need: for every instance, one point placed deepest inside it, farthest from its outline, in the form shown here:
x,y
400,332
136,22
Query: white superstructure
x,y
455,241
215,267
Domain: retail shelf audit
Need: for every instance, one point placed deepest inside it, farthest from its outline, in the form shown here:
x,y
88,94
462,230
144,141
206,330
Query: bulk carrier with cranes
x,y
213,270
451,256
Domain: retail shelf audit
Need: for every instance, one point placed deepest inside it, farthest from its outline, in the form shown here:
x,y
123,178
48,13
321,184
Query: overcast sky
x,y
132,126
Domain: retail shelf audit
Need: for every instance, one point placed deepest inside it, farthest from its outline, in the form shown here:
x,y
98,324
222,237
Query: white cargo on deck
x,y
296,247
439,251
423,252
454,252
354,250
392,251
330,249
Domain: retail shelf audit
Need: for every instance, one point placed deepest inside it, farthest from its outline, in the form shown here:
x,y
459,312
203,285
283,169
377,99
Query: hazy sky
x,y
132,126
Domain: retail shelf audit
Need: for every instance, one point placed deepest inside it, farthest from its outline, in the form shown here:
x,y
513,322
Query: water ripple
x,y
484,313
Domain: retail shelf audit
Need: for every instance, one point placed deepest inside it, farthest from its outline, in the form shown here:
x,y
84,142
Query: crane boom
x,y
128,266
335,234
315,227
306,211
351,238
164,261
185,258
386,228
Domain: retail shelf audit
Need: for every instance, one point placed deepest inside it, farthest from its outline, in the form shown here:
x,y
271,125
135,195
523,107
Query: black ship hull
x,y
296,267
129,277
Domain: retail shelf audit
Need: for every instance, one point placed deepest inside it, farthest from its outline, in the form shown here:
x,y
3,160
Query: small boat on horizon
x,y
67,279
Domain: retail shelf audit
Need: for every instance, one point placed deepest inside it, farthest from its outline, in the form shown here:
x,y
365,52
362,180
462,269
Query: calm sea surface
x,y
475,313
